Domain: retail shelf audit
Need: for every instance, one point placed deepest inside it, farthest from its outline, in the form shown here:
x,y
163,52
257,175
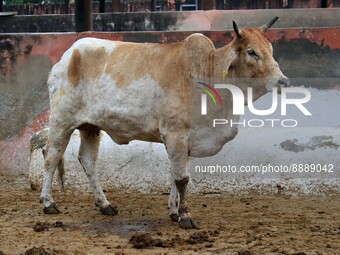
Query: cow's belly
x,y
125,113
124,130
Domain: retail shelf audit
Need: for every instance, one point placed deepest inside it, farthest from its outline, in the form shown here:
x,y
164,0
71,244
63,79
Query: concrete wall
x,y
26,59
143,5
173,21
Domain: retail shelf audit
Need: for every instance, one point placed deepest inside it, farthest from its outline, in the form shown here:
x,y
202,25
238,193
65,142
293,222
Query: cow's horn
x,y
237,30
265,27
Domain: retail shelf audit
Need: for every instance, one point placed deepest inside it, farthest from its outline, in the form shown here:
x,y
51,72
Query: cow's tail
x,y
41,138
61,173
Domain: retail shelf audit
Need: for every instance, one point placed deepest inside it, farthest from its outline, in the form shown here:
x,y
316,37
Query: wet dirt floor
x,y
229,224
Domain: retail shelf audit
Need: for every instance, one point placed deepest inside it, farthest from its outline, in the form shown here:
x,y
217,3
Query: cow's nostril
x,y
284,82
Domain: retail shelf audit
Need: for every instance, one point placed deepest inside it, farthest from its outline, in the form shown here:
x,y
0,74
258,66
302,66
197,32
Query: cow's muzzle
x,y
284,81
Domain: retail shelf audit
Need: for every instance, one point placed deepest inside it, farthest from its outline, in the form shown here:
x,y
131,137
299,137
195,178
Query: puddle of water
x,y
122,227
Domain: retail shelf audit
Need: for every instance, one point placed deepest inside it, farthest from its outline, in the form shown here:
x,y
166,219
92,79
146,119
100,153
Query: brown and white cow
x,y
141,91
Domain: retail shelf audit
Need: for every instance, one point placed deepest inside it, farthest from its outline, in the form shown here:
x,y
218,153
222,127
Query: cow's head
x,y
251,56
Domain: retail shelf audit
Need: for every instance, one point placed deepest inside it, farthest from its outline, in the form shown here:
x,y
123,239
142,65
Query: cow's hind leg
x,y
88,153
173,202
177,148
53,153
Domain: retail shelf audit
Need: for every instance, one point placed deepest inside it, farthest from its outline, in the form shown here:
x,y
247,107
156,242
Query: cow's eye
x,y
252,53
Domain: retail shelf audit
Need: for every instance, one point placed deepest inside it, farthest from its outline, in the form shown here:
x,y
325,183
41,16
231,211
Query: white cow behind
x,y
136,91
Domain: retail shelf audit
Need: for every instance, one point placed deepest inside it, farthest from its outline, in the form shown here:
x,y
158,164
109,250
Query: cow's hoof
x,y
174,217
187,223
52,209
109,210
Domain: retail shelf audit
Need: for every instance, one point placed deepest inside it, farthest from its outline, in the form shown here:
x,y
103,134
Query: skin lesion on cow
x,y
55,100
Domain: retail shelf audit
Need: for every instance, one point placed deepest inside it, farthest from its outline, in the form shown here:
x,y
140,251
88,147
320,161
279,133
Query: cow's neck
x,y
201,144
220,62
223,74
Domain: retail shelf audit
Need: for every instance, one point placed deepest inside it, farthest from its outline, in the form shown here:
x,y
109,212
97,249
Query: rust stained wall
x,y
306,3
25,60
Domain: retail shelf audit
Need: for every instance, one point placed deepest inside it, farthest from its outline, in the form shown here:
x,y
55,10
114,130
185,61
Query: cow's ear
x,y
265,27
238,31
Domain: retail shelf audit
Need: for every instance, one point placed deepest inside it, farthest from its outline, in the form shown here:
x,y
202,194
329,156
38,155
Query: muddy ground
x,y
229,224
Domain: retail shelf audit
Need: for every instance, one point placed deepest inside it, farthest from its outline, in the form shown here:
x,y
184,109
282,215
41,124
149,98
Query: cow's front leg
x,y
177,148
185,220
